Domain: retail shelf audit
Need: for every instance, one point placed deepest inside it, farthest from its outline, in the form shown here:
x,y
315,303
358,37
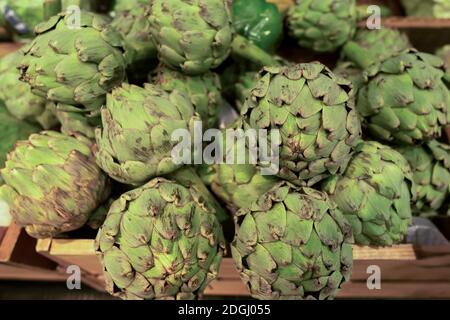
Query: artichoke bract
x,y
375,194
135,144
430,165
18,98
322,25
404,98
293,244
74,65
160,241
314,113
52,183
73,122
204,92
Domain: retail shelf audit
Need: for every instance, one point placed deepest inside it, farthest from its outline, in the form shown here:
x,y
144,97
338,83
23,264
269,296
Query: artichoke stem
x,y
51,8
243,48
187,177
361,57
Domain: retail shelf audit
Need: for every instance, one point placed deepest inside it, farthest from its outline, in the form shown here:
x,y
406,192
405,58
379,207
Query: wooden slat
x,y
8,47
397,252
23,273
401,290
71,252
412,23
9,241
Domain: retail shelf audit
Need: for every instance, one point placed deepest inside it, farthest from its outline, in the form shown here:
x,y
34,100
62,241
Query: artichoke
x,y
203,91
135,143
404,98
374,193
292,244
74,66
314,113
134,26
52,183
12,130
196,36
322,25
375,45
430,166
18,98
372,46
427,8
160,241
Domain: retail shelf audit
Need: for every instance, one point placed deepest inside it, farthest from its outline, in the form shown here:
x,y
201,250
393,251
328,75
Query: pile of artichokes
x,y
91,103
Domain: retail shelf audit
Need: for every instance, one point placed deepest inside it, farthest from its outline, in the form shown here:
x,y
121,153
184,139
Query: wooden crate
x,y
19,260
406,271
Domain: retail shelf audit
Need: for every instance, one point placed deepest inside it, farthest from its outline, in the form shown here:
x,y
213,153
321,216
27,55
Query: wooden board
x,y
8,47
19,260
406,271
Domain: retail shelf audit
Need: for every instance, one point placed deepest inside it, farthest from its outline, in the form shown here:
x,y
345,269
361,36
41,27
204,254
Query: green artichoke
x,y
196,36
404,98
52,183
293,244
12,130
74,66
18,98
192,35
430,166
374,193
160,241
135,143
314,113
203,91
134,26
322,25
372,46
427,8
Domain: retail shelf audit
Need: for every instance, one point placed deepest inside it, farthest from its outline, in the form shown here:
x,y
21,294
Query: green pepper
x,y
259,21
